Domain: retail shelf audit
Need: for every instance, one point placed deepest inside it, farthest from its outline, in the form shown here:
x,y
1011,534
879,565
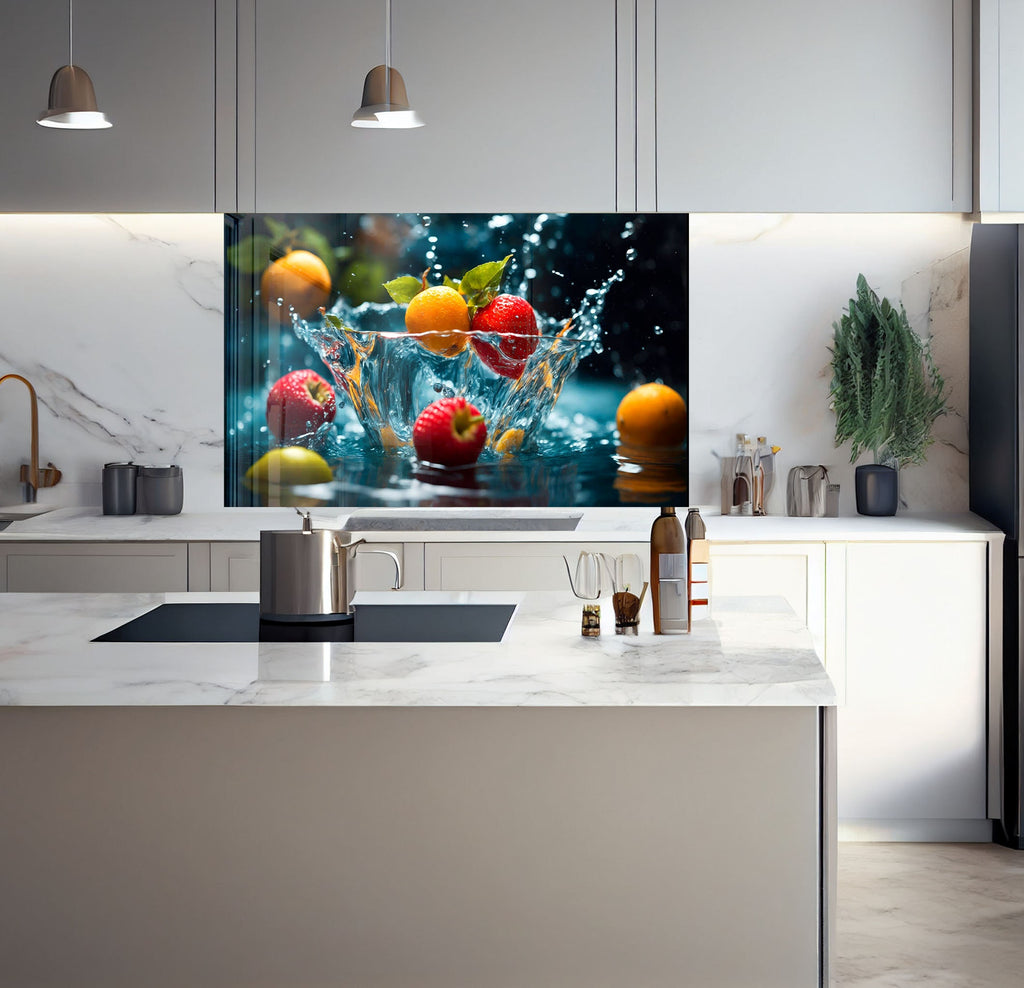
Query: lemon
x,y
287,466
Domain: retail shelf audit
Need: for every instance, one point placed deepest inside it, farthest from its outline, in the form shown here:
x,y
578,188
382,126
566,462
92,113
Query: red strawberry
x,y
299,403
514,319
449,432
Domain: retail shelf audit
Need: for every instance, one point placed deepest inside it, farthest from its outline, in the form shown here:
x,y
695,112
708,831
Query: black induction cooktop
x,y
241,622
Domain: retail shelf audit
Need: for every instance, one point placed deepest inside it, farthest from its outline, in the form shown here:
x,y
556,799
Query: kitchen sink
x,y
18,512
240,622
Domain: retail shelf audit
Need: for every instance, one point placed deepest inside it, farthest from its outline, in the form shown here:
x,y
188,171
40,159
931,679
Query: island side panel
x,y
394,846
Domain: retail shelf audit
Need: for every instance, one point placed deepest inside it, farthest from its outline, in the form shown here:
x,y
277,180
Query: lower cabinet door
x,y
236,566
99,567
912,733
514,565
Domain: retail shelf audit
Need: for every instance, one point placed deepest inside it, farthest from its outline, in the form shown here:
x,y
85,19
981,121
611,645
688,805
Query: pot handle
x,y
387,552
345,546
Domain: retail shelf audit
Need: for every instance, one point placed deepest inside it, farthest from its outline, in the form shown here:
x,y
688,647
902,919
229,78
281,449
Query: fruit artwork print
x,y
456,360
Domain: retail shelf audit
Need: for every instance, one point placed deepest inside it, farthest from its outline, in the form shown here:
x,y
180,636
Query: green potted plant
x,y
886,393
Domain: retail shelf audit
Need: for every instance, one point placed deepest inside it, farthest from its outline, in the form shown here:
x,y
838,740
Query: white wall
x,y
118,322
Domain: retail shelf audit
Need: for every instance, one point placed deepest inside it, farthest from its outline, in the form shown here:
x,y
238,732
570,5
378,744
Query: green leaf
x,y
482,283
403,290
885,390
314,241
278,230
451,283
250,255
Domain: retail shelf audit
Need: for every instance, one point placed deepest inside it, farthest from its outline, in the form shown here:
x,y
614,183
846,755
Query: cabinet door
x,y
236,566
513,565
1000,105
795,572
911,736
99,567
518,101
153,69
806,106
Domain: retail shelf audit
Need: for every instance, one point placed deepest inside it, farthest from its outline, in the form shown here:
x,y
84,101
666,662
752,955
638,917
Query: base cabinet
x,y
100,567
235,566
514,565
912,749
430,846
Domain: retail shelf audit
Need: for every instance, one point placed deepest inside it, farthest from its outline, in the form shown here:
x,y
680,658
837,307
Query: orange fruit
x,y
652,415
442,313
300,279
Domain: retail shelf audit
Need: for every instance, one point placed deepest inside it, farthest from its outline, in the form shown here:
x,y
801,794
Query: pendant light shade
x,y
385,102
72,103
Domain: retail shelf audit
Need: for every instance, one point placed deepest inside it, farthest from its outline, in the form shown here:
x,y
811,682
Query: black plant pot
x,y
878,489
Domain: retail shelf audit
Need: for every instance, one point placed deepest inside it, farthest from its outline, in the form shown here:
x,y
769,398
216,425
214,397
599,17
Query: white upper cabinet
x,y
153,69
1000,106
518,100
804,106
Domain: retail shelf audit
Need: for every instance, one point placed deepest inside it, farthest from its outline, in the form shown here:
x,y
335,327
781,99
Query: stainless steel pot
x,y
305,573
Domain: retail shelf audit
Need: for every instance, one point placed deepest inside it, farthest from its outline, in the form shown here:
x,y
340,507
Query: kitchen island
x,y
543,810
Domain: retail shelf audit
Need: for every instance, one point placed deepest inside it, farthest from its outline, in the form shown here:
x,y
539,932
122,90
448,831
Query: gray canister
x,y
119,488
160,490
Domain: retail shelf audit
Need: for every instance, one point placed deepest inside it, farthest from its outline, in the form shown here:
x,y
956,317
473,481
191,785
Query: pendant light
x,y
72,104
385,103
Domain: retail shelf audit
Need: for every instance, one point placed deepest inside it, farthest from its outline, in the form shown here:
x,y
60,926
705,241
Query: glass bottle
x,y
743,477
668,573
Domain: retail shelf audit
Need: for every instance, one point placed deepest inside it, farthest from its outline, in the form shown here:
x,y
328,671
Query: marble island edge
x,y
750,653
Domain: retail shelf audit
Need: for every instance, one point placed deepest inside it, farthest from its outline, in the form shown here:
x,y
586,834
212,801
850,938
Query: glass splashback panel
x,y
350,339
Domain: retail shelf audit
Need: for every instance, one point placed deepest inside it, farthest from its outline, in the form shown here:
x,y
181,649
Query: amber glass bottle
x,y
668,573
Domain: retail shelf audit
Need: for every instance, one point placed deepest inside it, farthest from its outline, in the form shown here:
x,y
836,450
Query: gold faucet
x,y
30,475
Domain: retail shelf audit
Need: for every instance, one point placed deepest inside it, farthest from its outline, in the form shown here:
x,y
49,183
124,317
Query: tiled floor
x,y
941,915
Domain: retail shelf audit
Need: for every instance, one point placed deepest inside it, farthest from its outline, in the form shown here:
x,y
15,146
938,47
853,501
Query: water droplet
x,y
530,273
431,239
426,221
263,428
280,301
658,331
631,254
239,426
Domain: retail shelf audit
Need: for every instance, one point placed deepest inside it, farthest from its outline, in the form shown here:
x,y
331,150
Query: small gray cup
x,y
119,480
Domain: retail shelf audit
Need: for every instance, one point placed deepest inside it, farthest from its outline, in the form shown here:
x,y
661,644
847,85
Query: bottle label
x,y
672,566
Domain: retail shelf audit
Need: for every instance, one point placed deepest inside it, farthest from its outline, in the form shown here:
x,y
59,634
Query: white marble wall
x,y
764,292
118,321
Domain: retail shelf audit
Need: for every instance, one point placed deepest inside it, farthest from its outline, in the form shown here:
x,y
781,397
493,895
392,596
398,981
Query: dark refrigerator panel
x,y
994,422
996,428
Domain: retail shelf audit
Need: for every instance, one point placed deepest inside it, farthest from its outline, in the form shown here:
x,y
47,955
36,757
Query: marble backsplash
x,y
118,322
764,293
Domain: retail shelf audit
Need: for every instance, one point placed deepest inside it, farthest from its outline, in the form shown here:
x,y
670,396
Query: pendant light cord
x,y
387,52
71,32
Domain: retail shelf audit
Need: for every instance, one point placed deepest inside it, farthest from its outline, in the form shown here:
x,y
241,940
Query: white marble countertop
x,y
752,652
596,524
